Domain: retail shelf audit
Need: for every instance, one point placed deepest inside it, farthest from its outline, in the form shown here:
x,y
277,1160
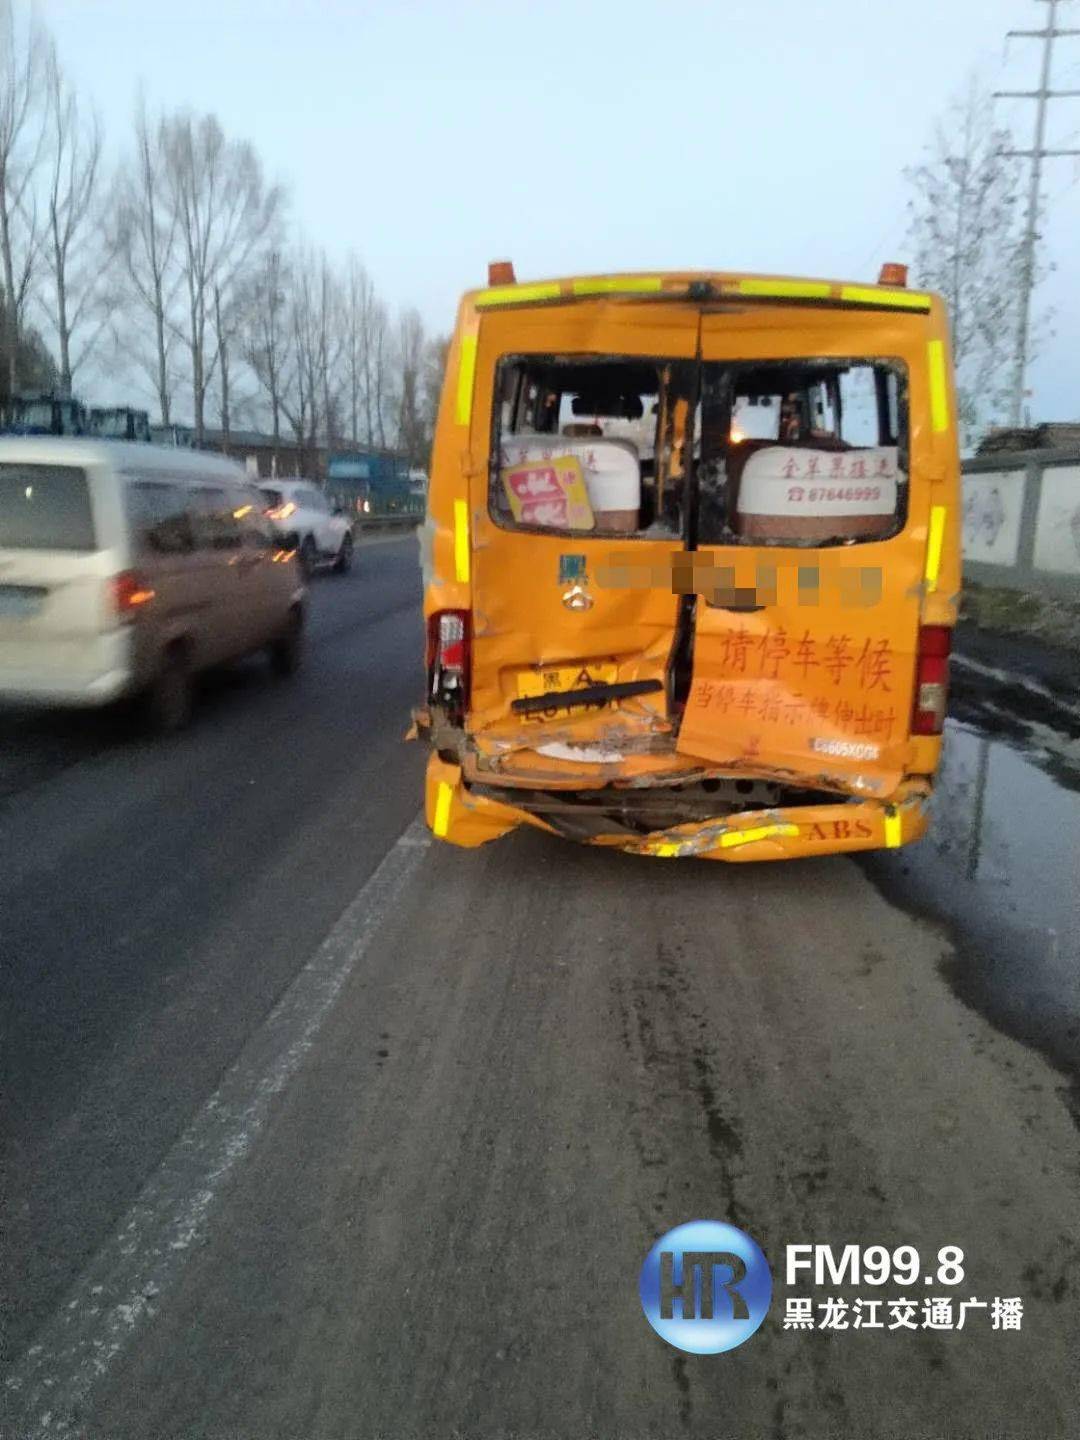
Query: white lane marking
x,y
124,1282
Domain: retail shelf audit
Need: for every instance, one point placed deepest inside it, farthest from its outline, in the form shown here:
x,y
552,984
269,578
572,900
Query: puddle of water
x,y
1001,865
1005,828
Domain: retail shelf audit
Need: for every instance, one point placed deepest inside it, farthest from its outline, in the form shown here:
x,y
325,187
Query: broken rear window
x,y
801,453
591,446
798,452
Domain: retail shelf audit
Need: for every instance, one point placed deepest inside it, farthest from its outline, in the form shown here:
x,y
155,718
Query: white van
x,y
125,569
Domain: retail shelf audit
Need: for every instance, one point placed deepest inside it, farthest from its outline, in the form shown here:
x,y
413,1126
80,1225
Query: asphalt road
x,y
314,1128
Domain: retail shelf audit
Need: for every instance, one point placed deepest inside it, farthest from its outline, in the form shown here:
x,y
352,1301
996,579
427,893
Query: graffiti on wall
x,y
992,508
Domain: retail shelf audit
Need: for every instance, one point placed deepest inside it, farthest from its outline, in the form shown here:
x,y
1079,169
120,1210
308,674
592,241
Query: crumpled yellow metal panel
x,y
509,581
794,832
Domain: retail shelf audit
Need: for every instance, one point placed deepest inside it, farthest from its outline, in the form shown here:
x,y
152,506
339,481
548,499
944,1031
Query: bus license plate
x,y
553,679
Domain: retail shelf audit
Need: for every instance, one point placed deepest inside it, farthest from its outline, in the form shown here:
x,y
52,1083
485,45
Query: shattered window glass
x,y
793,452
800,453
591,446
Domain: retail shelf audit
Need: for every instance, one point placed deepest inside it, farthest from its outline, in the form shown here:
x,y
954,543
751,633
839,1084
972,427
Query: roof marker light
x,y
893,273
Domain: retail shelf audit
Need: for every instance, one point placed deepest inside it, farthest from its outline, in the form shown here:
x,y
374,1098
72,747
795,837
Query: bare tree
x,y
331,337
369,357
435,353
265,334
238,401
23,61
359,300
75,249
300,400
380,368
224,212
410,358
965,225
224,322
143,234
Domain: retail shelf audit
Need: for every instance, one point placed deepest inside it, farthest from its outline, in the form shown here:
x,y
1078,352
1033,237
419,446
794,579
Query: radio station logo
x,y
705,1287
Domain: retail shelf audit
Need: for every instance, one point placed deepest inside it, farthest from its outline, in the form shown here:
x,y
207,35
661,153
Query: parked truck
x,y
46,414
43,415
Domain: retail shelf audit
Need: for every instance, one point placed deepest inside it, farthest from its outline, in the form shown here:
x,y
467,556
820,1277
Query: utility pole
x,y
1037,155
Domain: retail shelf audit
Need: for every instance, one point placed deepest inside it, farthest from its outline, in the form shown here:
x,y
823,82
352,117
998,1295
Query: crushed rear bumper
x,y
457,814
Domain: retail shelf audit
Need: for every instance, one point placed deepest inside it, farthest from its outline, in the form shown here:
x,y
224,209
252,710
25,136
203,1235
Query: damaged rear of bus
x,y
691,564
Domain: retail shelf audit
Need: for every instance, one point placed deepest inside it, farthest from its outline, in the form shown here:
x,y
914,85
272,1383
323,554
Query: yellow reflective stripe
x,y
893,829
786,289
933,545
616,285
443,799
518,294
889,299
461,541
939,392
761,832
666,850
465,376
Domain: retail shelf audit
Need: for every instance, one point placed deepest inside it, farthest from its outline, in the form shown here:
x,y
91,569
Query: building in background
x,y
1054,435
182,436
267,458
369,481
363,479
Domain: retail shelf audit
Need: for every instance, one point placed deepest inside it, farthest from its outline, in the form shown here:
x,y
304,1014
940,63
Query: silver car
x,y
304,518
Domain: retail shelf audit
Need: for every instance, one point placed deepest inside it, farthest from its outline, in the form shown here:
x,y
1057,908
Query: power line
x,y
1036,155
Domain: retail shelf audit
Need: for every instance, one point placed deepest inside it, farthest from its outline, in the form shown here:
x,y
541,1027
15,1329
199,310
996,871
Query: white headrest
x,y
798,480
610,467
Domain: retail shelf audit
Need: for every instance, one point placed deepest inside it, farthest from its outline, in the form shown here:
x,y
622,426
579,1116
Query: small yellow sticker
x,y
886,299
517,294
443,799
786,289
461,541
617,285
933,546
939,394
466,378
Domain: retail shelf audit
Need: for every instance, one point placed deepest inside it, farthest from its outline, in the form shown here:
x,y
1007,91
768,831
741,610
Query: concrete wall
x,y
1022,521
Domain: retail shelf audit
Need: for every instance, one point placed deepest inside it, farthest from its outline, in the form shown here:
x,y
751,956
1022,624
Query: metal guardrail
x,y
386,524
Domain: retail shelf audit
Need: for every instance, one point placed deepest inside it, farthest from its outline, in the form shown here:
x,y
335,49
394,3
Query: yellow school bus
x,y
691,563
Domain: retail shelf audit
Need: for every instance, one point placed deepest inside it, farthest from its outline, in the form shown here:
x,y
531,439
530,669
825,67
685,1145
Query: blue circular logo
x,y
705,1287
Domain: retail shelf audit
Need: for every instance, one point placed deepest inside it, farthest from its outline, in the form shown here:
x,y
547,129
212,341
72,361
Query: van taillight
x,y
448,656
129,593
931,679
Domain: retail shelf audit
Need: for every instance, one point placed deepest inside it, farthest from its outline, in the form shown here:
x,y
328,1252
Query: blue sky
x,y
602,134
